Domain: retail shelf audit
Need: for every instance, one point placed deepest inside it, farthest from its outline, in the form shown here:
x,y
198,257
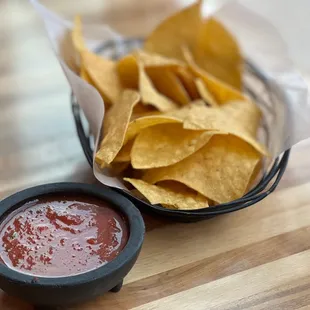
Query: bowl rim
x,y
133,245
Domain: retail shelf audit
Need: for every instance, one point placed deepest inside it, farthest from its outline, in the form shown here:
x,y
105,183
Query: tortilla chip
x,y
84,75
170,143
215,49
177,30
73,45
220,171
168,84
124,153
239,118
68,52
256,176
204,93
150,95
187,79
183,113
115,127
221,91
230,119
153,60
172,194
77,35
137,125
247,113
218,53
128,72
104,75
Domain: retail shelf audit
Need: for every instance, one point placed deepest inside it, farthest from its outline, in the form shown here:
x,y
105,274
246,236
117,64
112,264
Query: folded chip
x,y
128,71
104,75
171,194
167,83
204,93
115,126
150,95
220,90
188,80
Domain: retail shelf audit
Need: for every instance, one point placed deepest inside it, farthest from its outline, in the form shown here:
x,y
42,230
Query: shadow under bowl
x,y
69,290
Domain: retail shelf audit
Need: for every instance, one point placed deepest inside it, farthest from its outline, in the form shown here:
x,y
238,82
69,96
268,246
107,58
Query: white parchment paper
x,y
274,36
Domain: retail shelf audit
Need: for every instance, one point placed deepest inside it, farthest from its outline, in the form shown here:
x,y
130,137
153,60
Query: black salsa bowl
x,y
256,85
70,290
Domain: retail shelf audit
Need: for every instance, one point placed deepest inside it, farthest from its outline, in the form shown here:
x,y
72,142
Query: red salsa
x,y
61,236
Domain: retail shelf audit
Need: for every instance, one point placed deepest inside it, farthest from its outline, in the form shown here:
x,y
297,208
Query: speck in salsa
x,y
57,236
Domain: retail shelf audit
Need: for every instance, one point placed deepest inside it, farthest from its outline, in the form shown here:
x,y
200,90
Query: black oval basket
x,y
272,174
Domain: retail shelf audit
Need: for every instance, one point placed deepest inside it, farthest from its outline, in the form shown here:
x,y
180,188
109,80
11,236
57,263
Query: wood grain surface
x,y
257,258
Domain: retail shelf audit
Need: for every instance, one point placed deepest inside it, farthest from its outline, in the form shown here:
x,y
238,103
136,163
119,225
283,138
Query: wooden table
x,y
258,258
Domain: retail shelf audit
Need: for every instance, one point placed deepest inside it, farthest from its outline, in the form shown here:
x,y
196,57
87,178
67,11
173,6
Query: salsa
x,y
62,236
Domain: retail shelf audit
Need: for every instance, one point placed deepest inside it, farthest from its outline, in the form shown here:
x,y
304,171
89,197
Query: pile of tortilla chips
x,y
178,128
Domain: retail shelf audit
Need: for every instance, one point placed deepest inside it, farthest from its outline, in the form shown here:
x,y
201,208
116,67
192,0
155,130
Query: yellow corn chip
x,y
221,91
220,171
84,75
73,45
218,53
168,84
242,125
68,53
204,93
166,144
137,125
128,72
172,194
256,176
104,75
151,60
215,49
124,153
241,119
182,113
246,113
187,79
150,95
115,127
77,35
177,30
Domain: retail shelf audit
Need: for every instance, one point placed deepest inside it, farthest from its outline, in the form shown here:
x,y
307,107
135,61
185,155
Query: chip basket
x,y
271,174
